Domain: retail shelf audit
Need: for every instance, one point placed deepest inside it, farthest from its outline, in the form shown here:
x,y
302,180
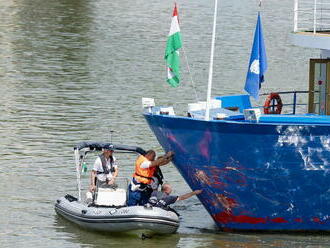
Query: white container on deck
x,y
166,111
252,114
111,197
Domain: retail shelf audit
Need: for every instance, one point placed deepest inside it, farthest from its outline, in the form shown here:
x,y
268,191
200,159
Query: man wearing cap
x,y
104,171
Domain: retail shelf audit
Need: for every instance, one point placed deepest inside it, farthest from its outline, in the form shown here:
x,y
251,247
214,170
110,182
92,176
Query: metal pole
x,y
295,19
314,28
209,87
78,169
110,135
294,102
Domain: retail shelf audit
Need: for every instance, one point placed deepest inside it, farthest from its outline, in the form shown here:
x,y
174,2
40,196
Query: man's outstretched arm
x,y
188,195
163,160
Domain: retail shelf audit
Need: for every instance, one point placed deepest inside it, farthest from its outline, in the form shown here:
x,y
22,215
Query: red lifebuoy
x,y
273,104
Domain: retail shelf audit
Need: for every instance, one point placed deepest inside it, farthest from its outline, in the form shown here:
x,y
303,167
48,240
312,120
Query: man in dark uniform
x,y
164,198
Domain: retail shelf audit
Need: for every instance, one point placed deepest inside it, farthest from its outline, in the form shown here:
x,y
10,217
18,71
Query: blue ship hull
x,y
254,176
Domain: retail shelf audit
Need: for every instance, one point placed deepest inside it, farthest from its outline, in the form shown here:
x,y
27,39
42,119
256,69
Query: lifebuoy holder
x,y
273,104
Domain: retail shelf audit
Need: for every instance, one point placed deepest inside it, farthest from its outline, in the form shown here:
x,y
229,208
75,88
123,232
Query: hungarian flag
x,y
171,53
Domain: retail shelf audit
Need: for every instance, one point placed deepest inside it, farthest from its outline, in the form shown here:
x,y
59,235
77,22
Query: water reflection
x,y
96,239
51,40
47,78
205,239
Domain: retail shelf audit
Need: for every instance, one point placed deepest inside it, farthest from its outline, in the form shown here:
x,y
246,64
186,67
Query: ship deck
x,y
317,33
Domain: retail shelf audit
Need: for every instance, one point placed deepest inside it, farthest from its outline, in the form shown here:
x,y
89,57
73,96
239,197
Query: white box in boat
x,y
252,114
111,197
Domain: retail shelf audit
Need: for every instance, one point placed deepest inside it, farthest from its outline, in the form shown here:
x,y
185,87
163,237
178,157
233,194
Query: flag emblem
x,y
255,67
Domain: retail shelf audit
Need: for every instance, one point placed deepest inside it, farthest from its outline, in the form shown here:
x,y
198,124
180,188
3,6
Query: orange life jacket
x,y
143,175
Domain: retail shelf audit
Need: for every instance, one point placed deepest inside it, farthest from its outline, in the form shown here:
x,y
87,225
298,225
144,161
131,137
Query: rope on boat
x,y
190,74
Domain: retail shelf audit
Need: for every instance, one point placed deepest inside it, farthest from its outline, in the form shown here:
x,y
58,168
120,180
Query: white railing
x,y
311,15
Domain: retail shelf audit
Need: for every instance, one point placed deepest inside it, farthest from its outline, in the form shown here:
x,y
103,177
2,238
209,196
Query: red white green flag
x,y
173,44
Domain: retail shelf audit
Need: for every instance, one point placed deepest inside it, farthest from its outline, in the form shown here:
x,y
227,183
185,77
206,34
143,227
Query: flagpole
x,y
209,87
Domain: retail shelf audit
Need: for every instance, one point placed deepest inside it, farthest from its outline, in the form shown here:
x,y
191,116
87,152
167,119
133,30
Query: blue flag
x,y
258,63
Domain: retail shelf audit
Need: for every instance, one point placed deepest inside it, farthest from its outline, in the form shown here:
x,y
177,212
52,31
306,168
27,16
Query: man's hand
x,y
163,160
169,154
197,192
111,181
168,157
92,188
190,194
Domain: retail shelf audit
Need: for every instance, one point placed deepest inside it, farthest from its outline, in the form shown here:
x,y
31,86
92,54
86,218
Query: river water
x,y
72,70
